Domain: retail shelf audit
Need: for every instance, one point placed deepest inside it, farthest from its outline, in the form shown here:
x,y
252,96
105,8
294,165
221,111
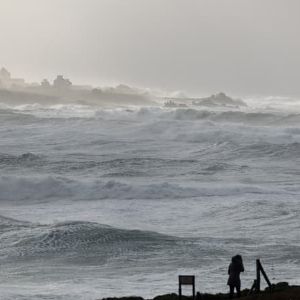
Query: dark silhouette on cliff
x,y
235,268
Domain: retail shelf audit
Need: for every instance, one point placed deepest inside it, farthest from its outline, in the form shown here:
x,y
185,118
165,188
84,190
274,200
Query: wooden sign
x,y
186,280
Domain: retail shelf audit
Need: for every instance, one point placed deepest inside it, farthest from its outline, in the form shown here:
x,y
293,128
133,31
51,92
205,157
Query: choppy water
x,y
98,202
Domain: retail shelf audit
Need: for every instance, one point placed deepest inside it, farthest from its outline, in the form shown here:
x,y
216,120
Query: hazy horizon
x,y
240,47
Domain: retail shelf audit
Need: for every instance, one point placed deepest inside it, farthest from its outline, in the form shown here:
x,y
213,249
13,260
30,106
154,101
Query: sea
x,y
116,201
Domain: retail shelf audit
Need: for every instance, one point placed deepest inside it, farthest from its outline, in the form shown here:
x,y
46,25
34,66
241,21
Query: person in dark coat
x,y
235,268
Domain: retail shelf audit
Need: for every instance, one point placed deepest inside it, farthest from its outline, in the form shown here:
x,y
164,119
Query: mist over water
x,y
118,201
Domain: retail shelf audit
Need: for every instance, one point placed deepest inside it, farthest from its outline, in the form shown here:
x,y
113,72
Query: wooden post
x,y
265,275
253,287
186,280
256,284
257,276
260,269
179,292
194,290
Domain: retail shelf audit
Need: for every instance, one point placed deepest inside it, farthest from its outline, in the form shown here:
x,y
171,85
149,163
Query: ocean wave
x,y
249,115
17,160
252,118
50,187
7,224
76,239
287,151
43,111
18,117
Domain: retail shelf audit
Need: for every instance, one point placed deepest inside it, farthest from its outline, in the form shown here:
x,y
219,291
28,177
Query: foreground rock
x,y
280,291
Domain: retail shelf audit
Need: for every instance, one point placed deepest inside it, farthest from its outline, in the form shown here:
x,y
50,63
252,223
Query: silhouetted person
x,y
235,268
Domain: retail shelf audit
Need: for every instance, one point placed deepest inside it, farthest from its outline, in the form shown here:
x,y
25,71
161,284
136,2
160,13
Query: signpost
x,y
186,280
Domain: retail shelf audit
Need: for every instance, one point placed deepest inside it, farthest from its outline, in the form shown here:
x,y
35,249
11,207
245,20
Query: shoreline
x,y
280,291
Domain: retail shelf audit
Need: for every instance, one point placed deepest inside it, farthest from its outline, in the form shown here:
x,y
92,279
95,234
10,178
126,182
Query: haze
x,y
237,46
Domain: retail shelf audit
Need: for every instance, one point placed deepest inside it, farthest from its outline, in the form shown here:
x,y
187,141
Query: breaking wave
x,y
82,240
251,118
250,115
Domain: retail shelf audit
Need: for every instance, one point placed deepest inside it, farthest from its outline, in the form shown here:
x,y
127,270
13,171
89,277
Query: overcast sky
x,y
242,47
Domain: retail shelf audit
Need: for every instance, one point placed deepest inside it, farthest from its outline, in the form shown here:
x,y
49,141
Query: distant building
x,y
4,75
4,78
45,84
61,83
8,82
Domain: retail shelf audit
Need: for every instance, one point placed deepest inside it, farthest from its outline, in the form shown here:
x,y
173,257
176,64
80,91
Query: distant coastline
x,y
17,91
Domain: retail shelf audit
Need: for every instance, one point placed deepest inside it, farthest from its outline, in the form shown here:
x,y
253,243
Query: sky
x,y
242,47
